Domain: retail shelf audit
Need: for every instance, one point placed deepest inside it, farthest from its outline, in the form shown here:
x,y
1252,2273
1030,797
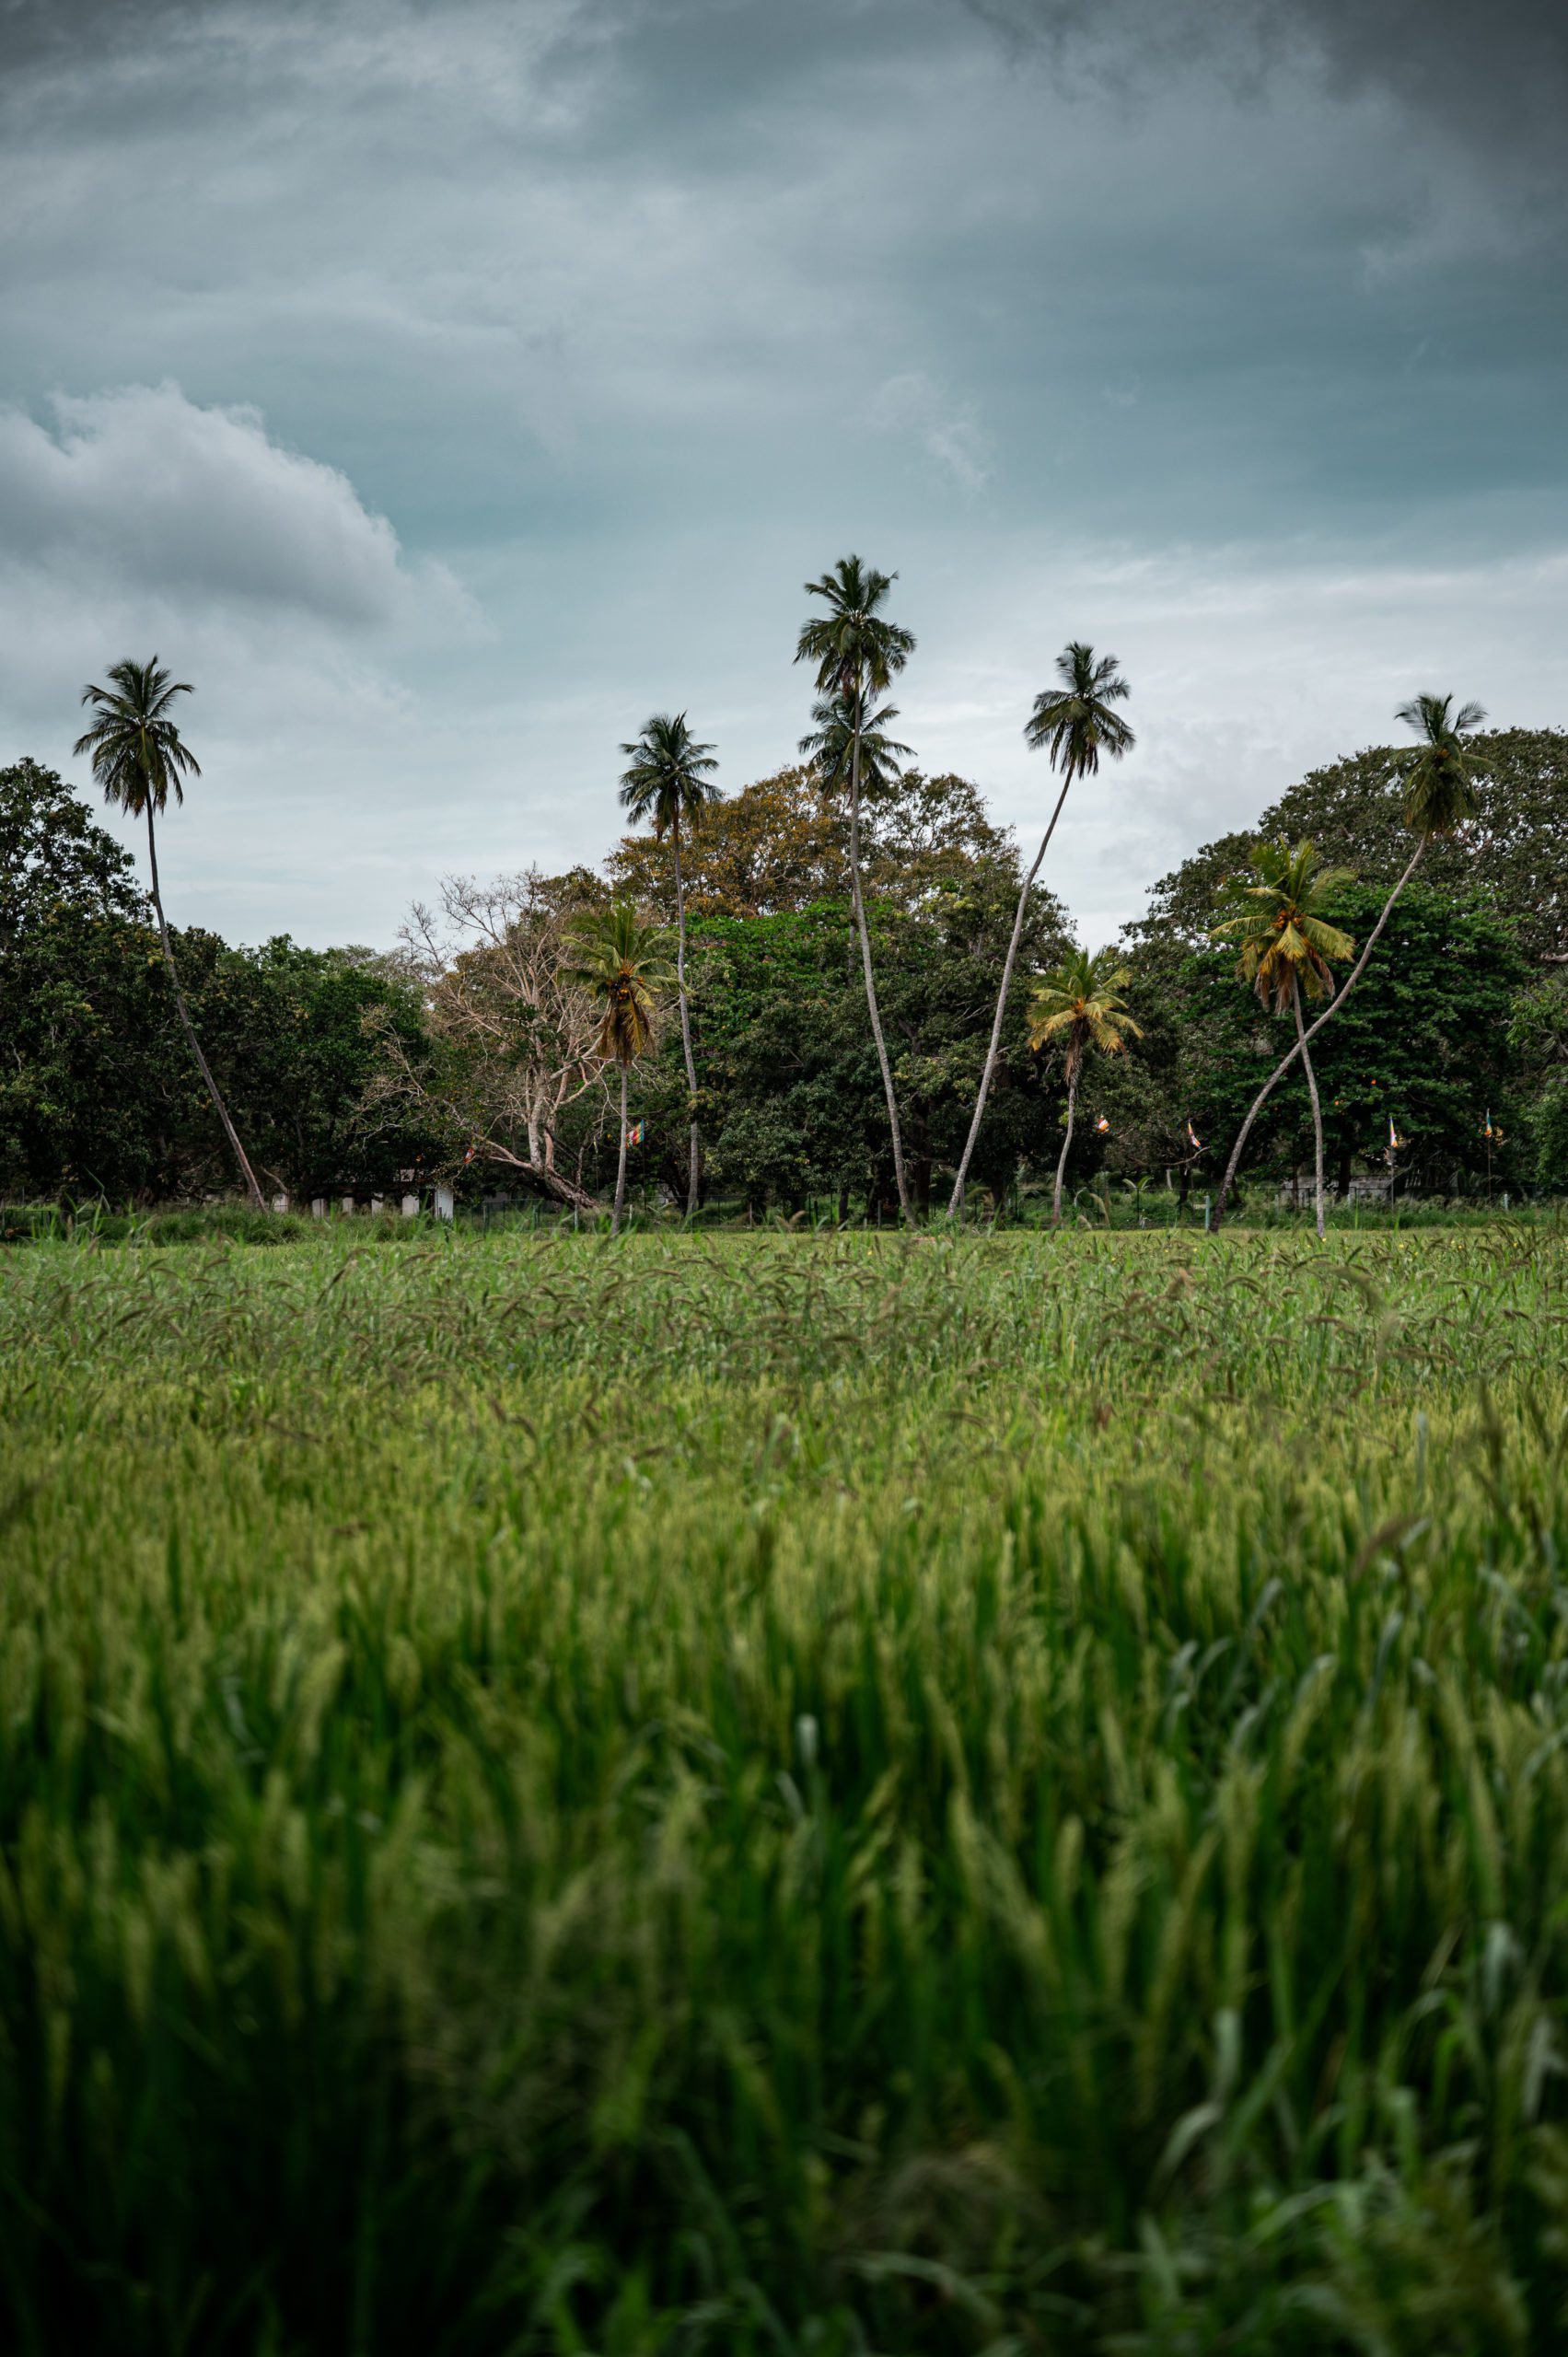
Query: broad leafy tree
x,y
1429,1041
1074,722
139,758
857,650
669,782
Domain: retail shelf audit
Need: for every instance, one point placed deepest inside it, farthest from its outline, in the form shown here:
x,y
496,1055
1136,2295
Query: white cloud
x,y
141,485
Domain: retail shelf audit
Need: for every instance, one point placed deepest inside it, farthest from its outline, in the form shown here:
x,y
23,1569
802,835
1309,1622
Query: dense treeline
x,y
97,1094
467,1050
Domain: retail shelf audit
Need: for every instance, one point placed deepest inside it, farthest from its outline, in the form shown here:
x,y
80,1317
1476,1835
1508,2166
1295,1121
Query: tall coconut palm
x,y
1285,944
830,747
140,758
1439,777
1075,723
623,964
670,782
857,650
1081,1000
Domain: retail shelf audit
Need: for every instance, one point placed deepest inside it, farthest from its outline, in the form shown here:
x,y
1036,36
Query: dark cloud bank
x,y
1490,74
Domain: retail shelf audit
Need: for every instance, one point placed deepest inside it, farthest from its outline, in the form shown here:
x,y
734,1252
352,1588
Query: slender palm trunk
x,y
1312,1092
872,1007
956,1204
693,1181
621,1165
1311,1033
1066,1143
202,1065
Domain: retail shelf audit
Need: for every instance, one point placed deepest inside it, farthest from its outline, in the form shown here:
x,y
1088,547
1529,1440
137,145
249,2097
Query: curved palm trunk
x,y
693,1181
1317,1108
621,1165
872,1007
956,1204
1311,1033
202,1065
1067,1140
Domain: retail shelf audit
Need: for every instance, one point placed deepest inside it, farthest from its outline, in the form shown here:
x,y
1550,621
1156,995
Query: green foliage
x,y
1538,1037
669,780
623,964
1283,941
940,1796
1081,1000
1076,721
138,756
791,1089
1422,1041
1515,857
1439,777
97,1095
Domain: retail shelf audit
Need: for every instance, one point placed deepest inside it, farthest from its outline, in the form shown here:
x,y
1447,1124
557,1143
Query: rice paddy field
x,y
785,1795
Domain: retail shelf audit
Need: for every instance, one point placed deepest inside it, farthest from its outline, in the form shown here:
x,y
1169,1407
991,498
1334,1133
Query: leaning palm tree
x,y
1439,777
856,650
670,782
1083,1001
623,964
1075,723
139,758
1285,944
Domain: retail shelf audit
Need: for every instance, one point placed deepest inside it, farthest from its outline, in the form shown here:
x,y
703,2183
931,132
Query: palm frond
x,y
624,964
1075,723
669,777
138,756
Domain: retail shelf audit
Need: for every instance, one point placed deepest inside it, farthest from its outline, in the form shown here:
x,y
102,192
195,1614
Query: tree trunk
x,y
694,1181
621,1165
1317,1108
1066,1144
957,1204
189,1029
871,1008
1332,1008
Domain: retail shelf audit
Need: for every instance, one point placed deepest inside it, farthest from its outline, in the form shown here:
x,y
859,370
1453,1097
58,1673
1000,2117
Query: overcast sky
x,y
443,385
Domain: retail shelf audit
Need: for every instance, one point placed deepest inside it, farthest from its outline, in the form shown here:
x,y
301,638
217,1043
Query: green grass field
x,y
789,1795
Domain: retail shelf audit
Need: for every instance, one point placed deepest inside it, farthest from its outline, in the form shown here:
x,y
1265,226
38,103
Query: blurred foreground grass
x,y
800,1795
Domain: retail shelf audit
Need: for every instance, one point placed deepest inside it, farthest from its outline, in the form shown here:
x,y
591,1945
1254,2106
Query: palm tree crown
x,y
1440,774
624,965
670,779
1083,998
1076,722
137,756
830,747
853,645
1278,926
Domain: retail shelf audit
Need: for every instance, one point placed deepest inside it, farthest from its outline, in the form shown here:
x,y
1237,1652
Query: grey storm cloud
x,y
1228,333
145,484
1491,74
